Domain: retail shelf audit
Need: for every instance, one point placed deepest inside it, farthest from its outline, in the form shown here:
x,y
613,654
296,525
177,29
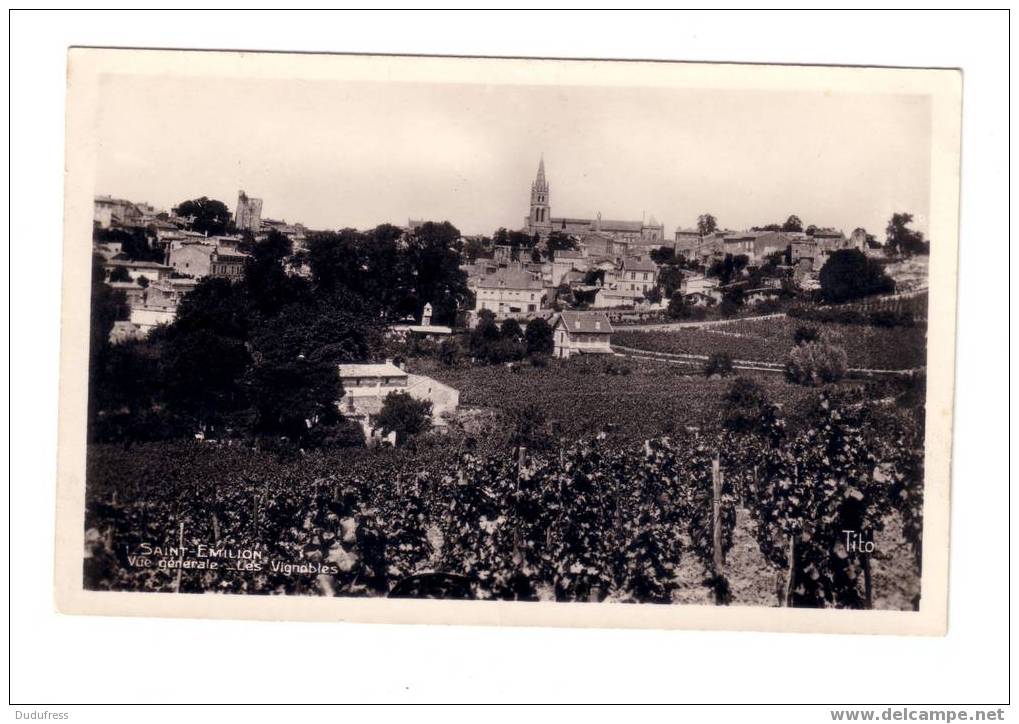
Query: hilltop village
x,y
558,285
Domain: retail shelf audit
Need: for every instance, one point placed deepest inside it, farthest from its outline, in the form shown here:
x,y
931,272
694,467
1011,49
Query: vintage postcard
x,y
504,341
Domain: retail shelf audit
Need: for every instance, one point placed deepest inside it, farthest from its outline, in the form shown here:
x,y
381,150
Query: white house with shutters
x,y
581,333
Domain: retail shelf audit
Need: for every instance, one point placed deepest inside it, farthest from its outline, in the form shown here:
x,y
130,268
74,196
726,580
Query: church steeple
x,y
539,220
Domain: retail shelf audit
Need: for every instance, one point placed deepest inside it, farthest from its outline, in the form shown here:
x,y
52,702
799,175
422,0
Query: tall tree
x,y
706,224
267,282
538,335
293,381
108,307
663,255
476,247
793,223
850,274
206,216
520,240
900,239
134,244
336,260
433,271
404,415
560,241
205,352
729,268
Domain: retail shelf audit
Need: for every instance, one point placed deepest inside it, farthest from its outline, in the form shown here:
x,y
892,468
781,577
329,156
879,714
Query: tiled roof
x,y
226,254
612,225
509,279
136,264
638,263
606,224
384,369
586,322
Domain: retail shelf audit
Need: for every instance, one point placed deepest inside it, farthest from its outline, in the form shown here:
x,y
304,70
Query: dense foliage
x,y
584,522
404,415
134,243
205,215
815,363
850,274
258,356
398,272
900,239
719,363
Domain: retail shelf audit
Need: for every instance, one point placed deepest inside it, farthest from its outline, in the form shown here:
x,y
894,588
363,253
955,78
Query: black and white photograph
x,y
619,343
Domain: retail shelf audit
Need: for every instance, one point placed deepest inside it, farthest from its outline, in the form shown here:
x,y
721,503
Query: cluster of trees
x,y
719,364
813,360
792,224
519,243
398,272
706,224
206,216
523,245
850,274
259,355
680,308
901,240
406,416
729,268
134,244
509,342
559,241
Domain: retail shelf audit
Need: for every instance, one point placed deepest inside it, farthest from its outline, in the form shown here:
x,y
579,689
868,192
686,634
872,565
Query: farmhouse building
x,y
687,241
637,274
565,261
509,293
109,212
207,260
137,269
581,333
366,385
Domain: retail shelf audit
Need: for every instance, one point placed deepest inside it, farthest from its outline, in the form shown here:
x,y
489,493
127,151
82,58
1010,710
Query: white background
x,y
60,660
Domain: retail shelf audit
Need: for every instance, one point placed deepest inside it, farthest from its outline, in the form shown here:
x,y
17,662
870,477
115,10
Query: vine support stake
x,y
790,583
517,546
180,558
717,554
868,583
722,597
521,461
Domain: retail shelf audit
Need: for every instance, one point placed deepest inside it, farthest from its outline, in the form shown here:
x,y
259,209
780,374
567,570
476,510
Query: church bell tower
x,y
540,220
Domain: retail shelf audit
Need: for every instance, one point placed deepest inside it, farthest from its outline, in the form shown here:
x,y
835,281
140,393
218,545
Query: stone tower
x,y
540,219
248,214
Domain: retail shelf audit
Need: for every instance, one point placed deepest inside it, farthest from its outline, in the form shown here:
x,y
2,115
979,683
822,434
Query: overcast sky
x,y
331,154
